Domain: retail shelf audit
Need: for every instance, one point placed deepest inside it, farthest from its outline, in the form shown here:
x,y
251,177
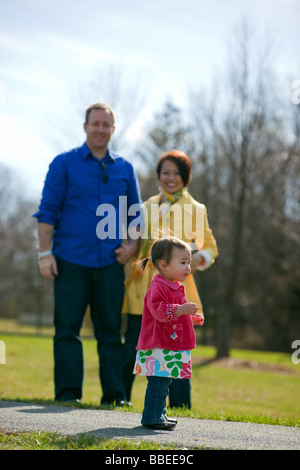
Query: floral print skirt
x,y
163,363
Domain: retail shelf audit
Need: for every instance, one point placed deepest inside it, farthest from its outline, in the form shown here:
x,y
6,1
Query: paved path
x,y
189,433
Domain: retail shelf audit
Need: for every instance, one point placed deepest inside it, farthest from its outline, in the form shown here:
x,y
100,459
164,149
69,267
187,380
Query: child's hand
x,y
186,309
198,319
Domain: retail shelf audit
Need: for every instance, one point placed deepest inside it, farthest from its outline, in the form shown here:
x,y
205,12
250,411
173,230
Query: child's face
x,y
179,266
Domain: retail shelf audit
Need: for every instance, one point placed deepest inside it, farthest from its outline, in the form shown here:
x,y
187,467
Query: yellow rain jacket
x,y
185,219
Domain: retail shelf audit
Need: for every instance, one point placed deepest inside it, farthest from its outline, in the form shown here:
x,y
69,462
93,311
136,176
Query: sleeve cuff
x,y
171,311
207,260
44,218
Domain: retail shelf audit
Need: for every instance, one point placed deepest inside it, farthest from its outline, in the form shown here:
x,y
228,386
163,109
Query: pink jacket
x,y
160,328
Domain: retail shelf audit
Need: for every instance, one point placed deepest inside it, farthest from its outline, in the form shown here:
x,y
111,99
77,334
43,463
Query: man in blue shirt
x,y
81,223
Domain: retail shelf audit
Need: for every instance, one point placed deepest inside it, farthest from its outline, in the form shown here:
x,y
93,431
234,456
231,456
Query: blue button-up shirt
x,y
86,199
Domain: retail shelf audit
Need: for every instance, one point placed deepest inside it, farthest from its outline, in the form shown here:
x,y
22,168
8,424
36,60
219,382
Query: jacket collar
x,y
173,285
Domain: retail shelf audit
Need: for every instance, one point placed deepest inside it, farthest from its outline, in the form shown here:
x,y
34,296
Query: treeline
x,y
243,137
249,181
244,142
21,286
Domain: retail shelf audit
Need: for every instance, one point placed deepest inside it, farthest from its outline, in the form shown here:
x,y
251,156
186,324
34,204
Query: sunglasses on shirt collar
x,y
105,174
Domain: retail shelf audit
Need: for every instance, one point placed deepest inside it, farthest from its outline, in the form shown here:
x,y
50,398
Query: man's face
x,y
99,129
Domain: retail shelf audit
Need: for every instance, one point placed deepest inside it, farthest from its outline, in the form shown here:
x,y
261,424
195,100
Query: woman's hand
x,y
197,259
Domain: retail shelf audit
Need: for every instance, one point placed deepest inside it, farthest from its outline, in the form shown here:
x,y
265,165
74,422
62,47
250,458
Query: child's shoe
x,y
166,425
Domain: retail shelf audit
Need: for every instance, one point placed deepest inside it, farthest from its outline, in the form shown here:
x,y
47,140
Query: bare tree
x,y
21,289
123,89
166,131
241,141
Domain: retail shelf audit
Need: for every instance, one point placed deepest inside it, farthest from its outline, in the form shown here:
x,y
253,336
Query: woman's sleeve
x,y
209,249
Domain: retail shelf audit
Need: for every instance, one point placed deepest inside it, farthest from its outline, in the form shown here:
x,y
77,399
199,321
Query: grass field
x,y
251,385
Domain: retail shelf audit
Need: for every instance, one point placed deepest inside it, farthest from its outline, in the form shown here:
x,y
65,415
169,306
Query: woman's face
x,y
170,177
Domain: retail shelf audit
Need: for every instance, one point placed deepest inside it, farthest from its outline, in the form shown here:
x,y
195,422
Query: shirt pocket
x,y
173,334
111,192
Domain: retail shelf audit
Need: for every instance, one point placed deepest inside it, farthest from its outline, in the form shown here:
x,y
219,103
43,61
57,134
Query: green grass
x,y
52,441
216,390
261,387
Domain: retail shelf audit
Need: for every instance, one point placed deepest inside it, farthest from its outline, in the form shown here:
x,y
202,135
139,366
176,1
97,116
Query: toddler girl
x,y
167,334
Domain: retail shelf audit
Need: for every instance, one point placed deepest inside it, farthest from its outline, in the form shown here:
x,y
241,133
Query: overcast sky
x,y
50,49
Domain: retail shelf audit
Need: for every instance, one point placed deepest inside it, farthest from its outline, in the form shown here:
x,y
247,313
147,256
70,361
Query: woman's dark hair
x,y
162,249
182,161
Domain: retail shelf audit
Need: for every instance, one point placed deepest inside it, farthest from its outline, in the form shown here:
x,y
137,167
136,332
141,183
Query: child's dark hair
x,y
162,249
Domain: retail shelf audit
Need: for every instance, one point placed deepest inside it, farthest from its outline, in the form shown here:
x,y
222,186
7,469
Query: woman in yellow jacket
x,y
175,212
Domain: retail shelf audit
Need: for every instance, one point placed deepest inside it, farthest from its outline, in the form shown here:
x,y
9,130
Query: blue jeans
x,y
180,393
131,338
155,400
75,288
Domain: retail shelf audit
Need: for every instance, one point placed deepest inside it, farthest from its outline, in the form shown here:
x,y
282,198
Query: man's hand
x,y
125,252
48,267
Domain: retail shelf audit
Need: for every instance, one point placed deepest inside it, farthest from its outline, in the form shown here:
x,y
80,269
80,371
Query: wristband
x,y
42,254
